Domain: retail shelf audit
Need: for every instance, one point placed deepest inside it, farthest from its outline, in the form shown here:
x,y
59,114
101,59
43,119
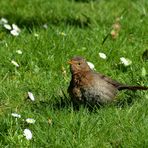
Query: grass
x,y
74,28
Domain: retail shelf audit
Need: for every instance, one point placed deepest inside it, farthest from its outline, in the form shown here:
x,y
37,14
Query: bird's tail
x,y
122,87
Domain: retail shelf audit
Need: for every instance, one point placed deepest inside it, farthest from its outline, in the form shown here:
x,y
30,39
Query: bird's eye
x,y
79,63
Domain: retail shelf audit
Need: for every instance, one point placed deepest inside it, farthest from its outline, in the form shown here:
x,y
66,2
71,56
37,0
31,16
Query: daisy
x,y
14,32
28,134
7,26
16,115
19,51
15,27
102,55
15,63
91,65
45,26
30,95
30,120
3,21
125,61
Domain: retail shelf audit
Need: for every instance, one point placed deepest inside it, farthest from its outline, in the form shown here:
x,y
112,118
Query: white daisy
x,y
30,95
28,134
19,51
15,63
15,27
30,120
3,21
91,65
125,61
102,55
7,26
14,32
16,115
45,26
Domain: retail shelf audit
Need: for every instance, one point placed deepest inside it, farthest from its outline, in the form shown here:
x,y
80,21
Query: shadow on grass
x,y
128,100
64,102
29,22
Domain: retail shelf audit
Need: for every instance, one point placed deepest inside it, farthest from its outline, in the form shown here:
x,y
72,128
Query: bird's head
x,y
78,64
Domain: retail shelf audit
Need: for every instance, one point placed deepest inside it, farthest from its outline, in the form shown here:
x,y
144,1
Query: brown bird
x,y
89,87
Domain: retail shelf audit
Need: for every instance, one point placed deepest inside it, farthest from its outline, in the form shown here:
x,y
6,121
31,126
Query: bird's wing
x,y
109,80
120,86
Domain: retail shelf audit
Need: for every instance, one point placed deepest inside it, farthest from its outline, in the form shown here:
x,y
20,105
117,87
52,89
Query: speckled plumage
x,y
89,87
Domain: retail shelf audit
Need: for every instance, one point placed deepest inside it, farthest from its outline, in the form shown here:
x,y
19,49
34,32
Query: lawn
x,y
52,32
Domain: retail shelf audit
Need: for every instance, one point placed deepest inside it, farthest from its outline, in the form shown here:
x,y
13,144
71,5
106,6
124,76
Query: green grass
x,y
44,59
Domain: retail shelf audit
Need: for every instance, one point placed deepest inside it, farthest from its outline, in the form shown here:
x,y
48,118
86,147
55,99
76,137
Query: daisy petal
x,y
15,63
3,21
7,26
14,32
30,95
16,28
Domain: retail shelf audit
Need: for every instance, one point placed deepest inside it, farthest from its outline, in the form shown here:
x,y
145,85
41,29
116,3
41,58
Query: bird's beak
x,y
70,62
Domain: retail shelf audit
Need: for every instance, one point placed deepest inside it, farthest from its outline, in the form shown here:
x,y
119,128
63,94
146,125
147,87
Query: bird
x,y
93,88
